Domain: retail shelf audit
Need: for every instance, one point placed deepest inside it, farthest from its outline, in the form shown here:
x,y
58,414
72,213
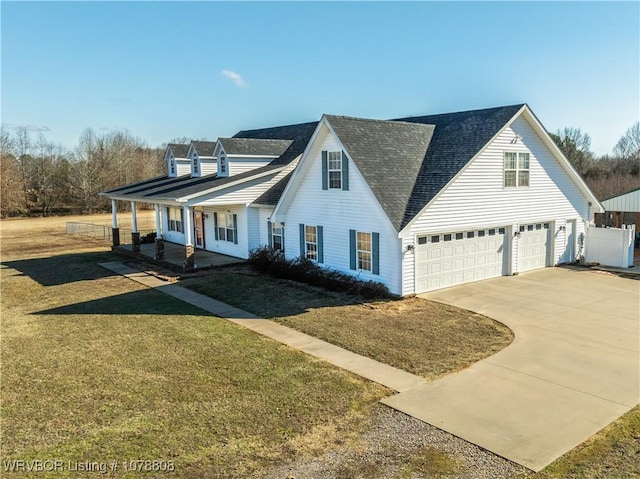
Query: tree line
x,y
38,177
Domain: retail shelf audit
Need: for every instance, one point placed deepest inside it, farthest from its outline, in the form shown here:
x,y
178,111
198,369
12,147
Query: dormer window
x,y
335,170
223,164
172,166
195,165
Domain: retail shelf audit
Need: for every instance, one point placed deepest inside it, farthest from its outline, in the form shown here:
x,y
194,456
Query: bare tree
x,y
576,146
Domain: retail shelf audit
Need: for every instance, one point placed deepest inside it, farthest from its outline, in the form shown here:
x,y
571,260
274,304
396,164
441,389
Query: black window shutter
x,y
352,249
269,234
235,229
375,253
320,244
303,251
215,225
325,171
345,172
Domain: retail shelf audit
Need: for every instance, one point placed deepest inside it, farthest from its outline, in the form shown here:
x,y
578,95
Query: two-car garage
x,y
448,259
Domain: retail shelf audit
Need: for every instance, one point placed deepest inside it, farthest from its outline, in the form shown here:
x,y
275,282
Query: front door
x,y
198,225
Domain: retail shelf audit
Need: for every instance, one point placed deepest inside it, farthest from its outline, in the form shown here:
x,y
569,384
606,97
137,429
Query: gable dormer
x,y
237,155
201,159
176,157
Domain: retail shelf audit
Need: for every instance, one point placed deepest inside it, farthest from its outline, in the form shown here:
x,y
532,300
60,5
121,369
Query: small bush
x,y
272,262
148,238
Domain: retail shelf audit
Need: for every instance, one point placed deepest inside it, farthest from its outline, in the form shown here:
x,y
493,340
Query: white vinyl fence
x,y
610,246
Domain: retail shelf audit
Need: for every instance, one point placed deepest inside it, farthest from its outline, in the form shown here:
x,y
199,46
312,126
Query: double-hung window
x,y
277,236
223,164
174,219
364,251
516,169
226,227
311,242
334,159
335,170
196,166
172,166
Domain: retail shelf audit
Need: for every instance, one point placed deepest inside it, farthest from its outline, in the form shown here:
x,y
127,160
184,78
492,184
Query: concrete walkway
x,y
388,376
573,368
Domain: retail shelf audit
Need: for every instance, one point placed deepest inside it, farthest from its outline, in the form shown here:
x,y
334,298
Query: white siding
x,y
263,219
253,228
629,202
477,197
208,166
172,236
243,193
183,167
240,165
239,250
337,212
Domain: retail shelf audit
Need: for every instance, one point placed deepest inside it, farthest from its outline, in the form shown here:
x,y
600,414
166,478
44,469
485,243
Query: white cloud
x,y
37,128
235,78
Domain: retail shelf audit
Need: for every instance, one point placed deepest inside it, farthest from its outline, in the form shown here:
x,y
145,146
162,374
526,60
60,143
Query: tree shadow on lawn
x,y
134,303
62,269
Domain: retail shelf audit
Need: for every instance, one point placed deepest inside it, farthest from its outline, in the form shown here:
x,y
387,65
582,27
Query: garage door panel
x,y
534,246
459,257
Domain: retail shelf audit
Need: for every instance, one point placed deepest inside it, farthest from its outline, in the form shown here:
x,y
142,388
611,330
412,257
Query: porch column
x,y
159,240
115,231
189,250
135,235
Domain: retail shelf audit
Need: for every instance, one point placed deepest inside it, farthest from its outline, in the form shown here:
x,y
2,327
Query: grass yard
x,y
422,337
97,368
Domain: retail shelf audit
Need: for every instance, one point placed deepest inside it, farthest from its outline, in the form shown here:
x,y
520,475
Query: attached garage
x,y
447,259
534,246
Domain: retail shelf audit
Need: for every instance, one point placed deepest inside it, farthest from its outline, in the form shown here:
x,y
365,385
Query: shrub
x,y
272,262
148,238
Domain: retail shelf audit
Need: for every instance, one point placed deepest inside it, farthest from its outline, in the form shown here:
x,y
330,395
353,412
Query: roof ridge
x,y
374,120
477,110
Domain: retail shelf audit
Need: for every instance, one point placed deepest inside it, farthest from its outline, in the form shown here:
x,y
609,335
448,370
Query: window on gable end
x,y
196,166
516,169
223,164
334,159
335,170
172,166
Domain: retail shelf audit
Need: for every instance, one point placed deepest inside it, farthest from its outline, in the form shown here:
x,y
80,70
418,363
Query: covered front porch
x,y
174,256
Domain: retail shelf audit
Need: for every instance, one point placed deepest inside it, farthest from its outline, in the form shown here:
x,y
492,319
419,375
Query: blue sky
x,y
207,69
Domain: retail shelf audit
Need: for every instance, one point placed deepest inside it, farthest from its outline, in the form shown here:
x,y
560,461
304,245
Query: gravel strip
x,y
393,442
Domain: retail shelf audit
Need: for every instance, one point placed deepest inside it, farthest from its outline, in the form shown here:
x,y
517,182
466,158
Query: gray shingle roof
x,y
389,155
179,150
300,134
204,148
273,194
254,146
297,137
457,138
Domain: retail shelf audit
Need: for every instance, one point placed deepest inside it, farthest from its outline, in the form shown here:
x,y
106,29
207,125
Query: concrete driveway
x,y
573,367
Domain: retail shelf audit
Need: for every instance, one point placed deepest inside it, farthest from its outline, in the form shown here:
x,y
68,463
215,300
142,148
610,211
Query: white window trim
x,y
196,166
361,254
517,170
223,164
174,220
277,231
334,170
225,227
311,247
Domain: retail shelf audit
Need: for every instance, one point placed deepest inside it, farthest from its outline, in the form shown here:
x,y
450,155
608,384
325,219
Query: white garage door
x,y
444,260
534,246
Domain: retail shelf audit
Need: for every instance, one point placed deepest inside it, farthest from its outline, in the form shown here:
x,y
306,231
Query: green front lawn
x,y
422,337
